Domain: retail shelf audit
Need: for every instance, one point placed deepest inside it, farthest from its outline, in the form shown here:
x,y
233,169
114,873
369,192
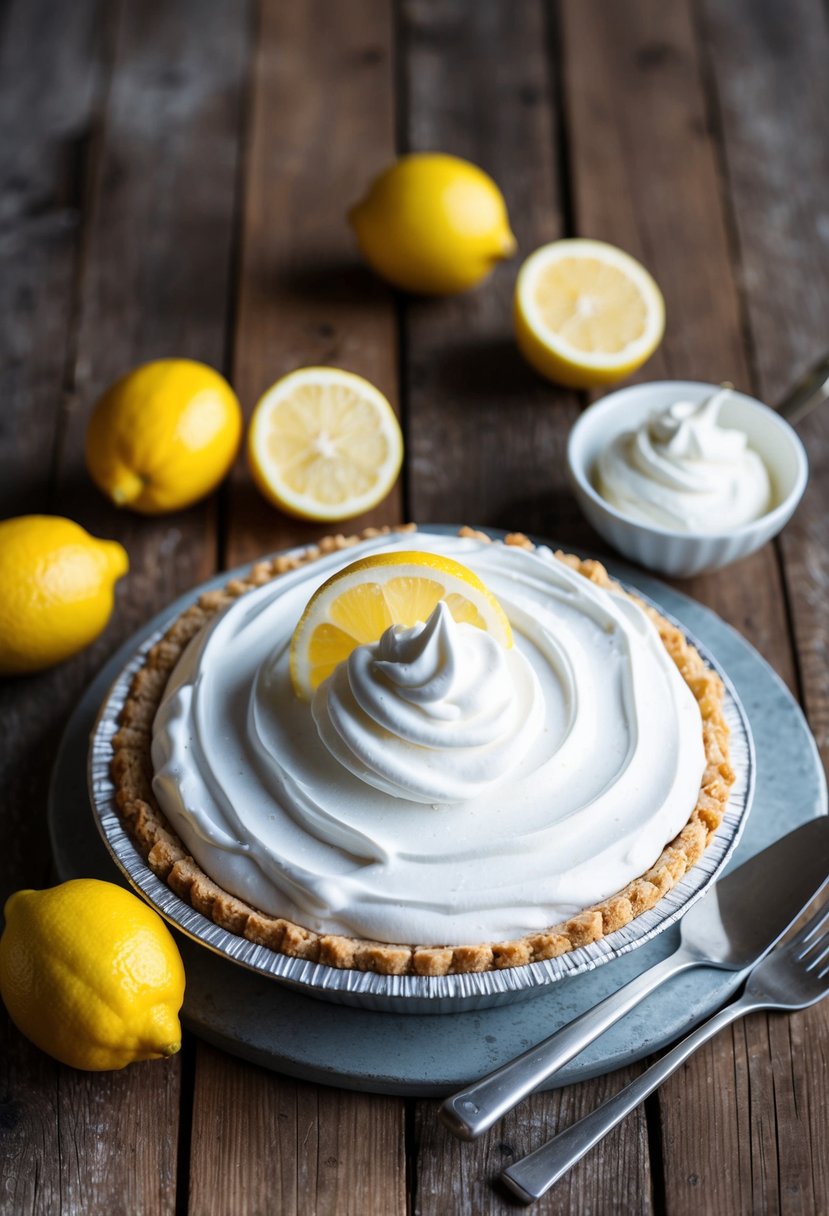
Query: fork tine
x,y
820,918
817,961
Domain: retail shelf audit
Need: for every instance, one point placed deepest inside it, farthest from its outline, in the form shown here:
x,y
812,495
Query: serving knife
x,y
731,928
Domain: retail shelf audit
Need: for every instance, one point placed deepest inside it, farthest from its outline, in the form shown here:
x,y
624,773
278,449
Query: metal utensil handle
x,y
811,392
534,1174
471,1111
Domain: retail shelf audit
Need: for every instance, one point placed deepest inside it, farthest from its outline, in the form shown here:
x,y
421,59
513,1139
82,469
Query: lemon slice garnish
x,y
324,444
586,312
358,604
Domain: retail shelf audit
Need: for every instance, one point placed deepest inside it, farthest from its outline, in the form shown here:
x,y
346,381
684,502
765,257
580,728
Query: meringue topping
x,y
609,771
435,713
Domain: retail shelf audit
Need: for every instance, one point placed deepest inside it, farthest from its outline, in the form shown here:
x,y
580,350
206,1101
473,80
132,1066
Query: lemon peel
x,y
56,590
433,224
163,436
91,974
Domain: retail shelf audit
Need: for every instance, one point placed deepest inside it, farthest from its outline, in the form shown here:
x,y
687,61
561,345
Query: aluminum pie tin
x,y
415,994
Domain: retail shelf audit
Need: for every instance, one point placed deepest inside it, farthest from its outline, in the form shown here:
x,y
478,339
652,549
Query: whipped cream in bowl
x,y
683,476
682,469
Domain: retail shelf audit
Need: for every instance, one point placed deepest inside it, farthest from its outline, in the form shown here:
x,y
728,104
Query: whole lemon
x,y
433,224
91,975
56,590
164,435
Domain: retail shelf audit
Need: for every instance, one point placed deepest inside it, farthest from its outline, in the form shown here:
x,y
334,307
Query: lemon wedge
x,y
586,313
359,603
324,444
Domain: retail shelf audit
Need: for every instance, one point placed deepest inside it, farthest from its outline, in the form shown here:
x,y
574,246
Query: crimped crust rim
x,y
166,856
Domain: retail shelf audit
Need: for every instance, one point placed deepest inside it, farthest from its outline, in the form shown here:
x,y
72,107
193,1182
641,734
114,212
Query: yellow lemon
x,y
56,590
91,975
433,224
357,604
163,436
586,313
324,444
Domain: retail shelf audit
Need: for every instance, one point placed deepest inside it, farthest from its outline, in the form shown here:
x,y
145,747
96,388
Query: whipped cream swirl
x,y
436,713
681,470
267,811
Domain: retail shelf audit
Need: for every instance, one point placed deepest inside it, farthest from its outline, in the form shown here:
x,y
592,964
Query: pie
x,y
557,793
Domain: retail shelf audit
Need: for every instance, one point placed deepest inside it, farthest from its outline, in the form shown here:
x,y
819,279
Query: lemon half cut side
x,y
586,313
324,444
359,603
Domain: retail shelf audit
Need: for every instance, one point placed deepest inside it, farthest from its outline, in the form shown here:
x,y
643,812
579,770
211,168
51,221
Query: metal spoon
x,y
733,926
794,976
807,395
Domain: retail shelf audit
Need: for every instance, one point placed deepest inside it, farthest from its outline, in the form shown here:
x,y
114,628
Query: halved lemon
x,y
586,313
324,444
358,604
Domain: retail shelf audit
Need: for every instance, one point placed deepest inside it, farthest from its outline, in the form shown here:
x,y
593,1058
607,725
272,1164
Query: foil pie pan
x,y
405,993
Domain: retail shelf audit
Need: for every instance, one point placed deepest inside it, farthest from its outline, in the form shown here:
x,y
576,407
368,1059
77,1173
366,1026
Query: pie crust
x,y
167,857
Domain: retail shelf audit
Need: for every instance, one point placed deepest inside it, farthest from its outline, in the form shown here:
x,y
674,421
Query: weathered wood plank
x,y
486,435
486,445
44,142
454,1177
321,126
266,1143
157,189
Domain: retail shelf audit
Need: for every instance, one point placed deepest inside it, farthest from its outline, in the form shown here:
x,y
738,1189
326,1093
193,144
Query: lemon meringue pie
x,y
445,801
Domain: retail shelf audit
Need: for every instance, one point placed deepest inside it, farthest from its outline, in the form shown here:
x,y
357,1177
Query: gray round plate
x,y
267,1022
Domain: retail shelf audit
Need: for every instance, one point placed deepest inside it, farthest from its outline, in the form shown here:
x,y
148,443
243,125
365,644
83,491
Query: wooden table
x,y
174,180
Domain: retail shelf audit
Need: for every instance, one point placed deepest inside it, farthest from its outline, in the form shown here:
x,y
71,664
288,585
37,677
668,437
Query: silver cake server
x,y
731,928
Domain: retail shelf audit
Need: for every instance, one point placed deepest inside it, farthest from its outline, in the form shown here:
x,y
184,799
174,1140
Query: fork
x,y
793,976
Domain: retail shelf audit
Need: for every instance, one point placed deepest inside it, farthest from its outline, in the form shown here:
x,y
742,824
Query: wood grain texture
x,y
453,1178
321,117
486,434
264,1143
156,192
321,128
42,181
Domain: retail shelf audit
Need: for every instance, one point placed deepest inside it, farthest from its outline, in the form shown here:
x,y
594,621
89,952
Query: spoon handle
x,y
471,1111
806,396
534,1174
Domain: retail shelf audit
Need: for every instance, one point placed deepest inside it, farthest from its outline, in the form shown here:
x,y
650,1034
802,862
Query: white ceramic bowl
x,y
662,549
